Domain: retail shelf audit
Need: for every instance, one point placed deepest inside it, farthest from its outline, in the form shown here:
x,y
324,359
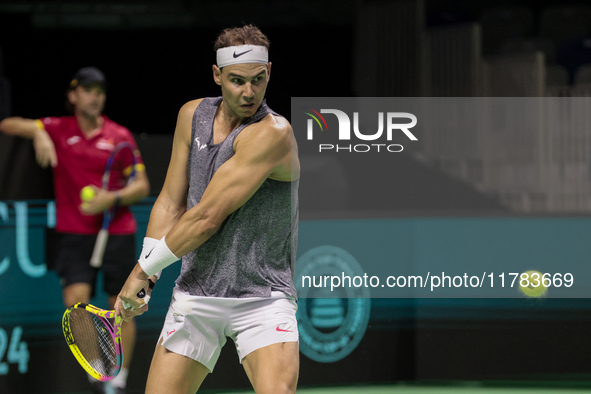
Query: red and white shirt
x,y
82,162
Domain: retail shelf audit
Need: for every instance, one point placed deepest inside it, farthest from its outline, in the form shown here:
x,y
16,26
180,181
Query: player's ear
x,y
72,97
217,74
268,70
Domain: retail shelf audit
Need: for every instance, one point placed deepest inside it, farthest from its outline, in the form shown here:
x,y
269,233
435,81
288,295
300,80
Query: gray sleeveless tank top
x,y
253,252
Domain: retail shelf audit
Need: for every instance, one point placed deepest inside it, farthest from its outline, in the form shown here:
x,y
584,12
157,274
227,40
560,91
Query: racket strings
x,y
94,339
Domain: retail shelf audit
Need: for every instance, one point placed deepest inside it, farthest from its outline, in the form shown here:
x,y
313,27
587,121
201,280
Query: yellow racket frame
x,y
115,332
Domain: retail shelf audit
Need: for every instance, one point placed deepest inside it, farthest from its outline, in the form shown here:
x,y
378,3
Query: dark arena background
x,y
519,197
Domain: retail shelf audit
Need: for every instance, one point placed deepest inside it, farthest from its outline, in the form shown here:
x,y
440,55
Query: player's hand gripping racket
x,y
103,236
93,340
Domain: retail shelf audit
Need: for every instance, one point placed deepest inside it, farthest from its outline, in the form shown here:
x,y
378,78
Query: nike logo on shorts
x,y
170,332
240,54
280,330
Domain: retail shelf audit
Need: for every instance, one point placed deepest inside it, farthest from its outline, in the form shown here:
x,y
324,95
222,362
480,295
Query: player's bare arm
x,y
31,129
172,201
288,169
261,151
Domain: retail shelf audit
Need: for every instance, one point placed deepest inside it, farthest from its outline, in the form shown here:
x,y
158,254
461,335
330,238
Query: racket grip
x,y
128,306
99,248
141,294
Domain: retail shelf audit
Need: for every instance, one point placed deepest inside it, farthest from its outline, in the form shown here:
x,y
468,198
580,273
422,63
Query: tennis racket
x,y
94,341
96,260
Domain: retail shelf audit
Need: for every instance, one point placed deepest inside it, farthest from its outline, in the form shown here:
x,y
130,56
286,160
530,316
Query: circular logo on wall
x,y
331,319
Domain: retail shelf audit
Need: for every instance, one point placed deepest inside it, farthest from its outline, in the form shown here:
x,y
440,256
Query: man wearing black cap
x,y
77,148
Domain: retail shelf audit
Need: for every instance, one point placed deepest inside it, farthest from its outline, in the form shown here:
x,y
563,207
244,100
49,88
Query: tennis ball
x,y
531,283
87,193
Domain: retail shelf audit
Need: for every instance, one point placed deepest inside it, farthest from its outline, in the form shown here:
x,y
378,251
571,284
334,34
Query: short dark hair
x,y
247,34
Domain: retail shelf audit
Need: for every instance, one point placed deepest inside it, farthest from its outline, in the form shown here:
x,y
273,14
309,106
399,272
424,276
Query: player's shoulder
x,y
275,126
188,109
275,130
271,132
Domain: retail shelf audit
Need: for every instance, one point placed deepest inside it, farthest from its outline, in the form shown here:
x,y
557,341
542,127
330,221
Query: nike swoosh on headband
x,y
240,54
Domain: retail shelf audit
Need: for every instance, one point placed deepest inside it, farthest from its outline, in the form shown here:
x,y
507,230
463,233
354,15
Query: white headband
x,y
242,54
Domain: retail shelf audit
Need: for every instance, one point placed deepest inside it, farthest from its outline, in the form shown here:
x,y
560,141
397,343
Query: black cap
x,y
88,75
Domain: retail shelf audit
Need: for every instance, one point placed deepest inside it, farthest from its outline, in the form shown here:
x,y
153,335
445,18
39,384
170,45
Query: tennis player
x,y
229,207
77,147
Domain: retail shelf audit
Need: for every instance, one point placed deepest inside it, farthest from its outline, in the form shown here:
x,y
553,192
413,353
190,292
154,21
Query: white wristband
x,y
157,259
148,245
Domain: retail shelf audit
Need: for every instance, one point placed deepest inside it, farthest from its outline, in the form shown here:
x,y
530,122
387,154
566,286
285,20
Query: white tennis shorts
x,y
197,327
